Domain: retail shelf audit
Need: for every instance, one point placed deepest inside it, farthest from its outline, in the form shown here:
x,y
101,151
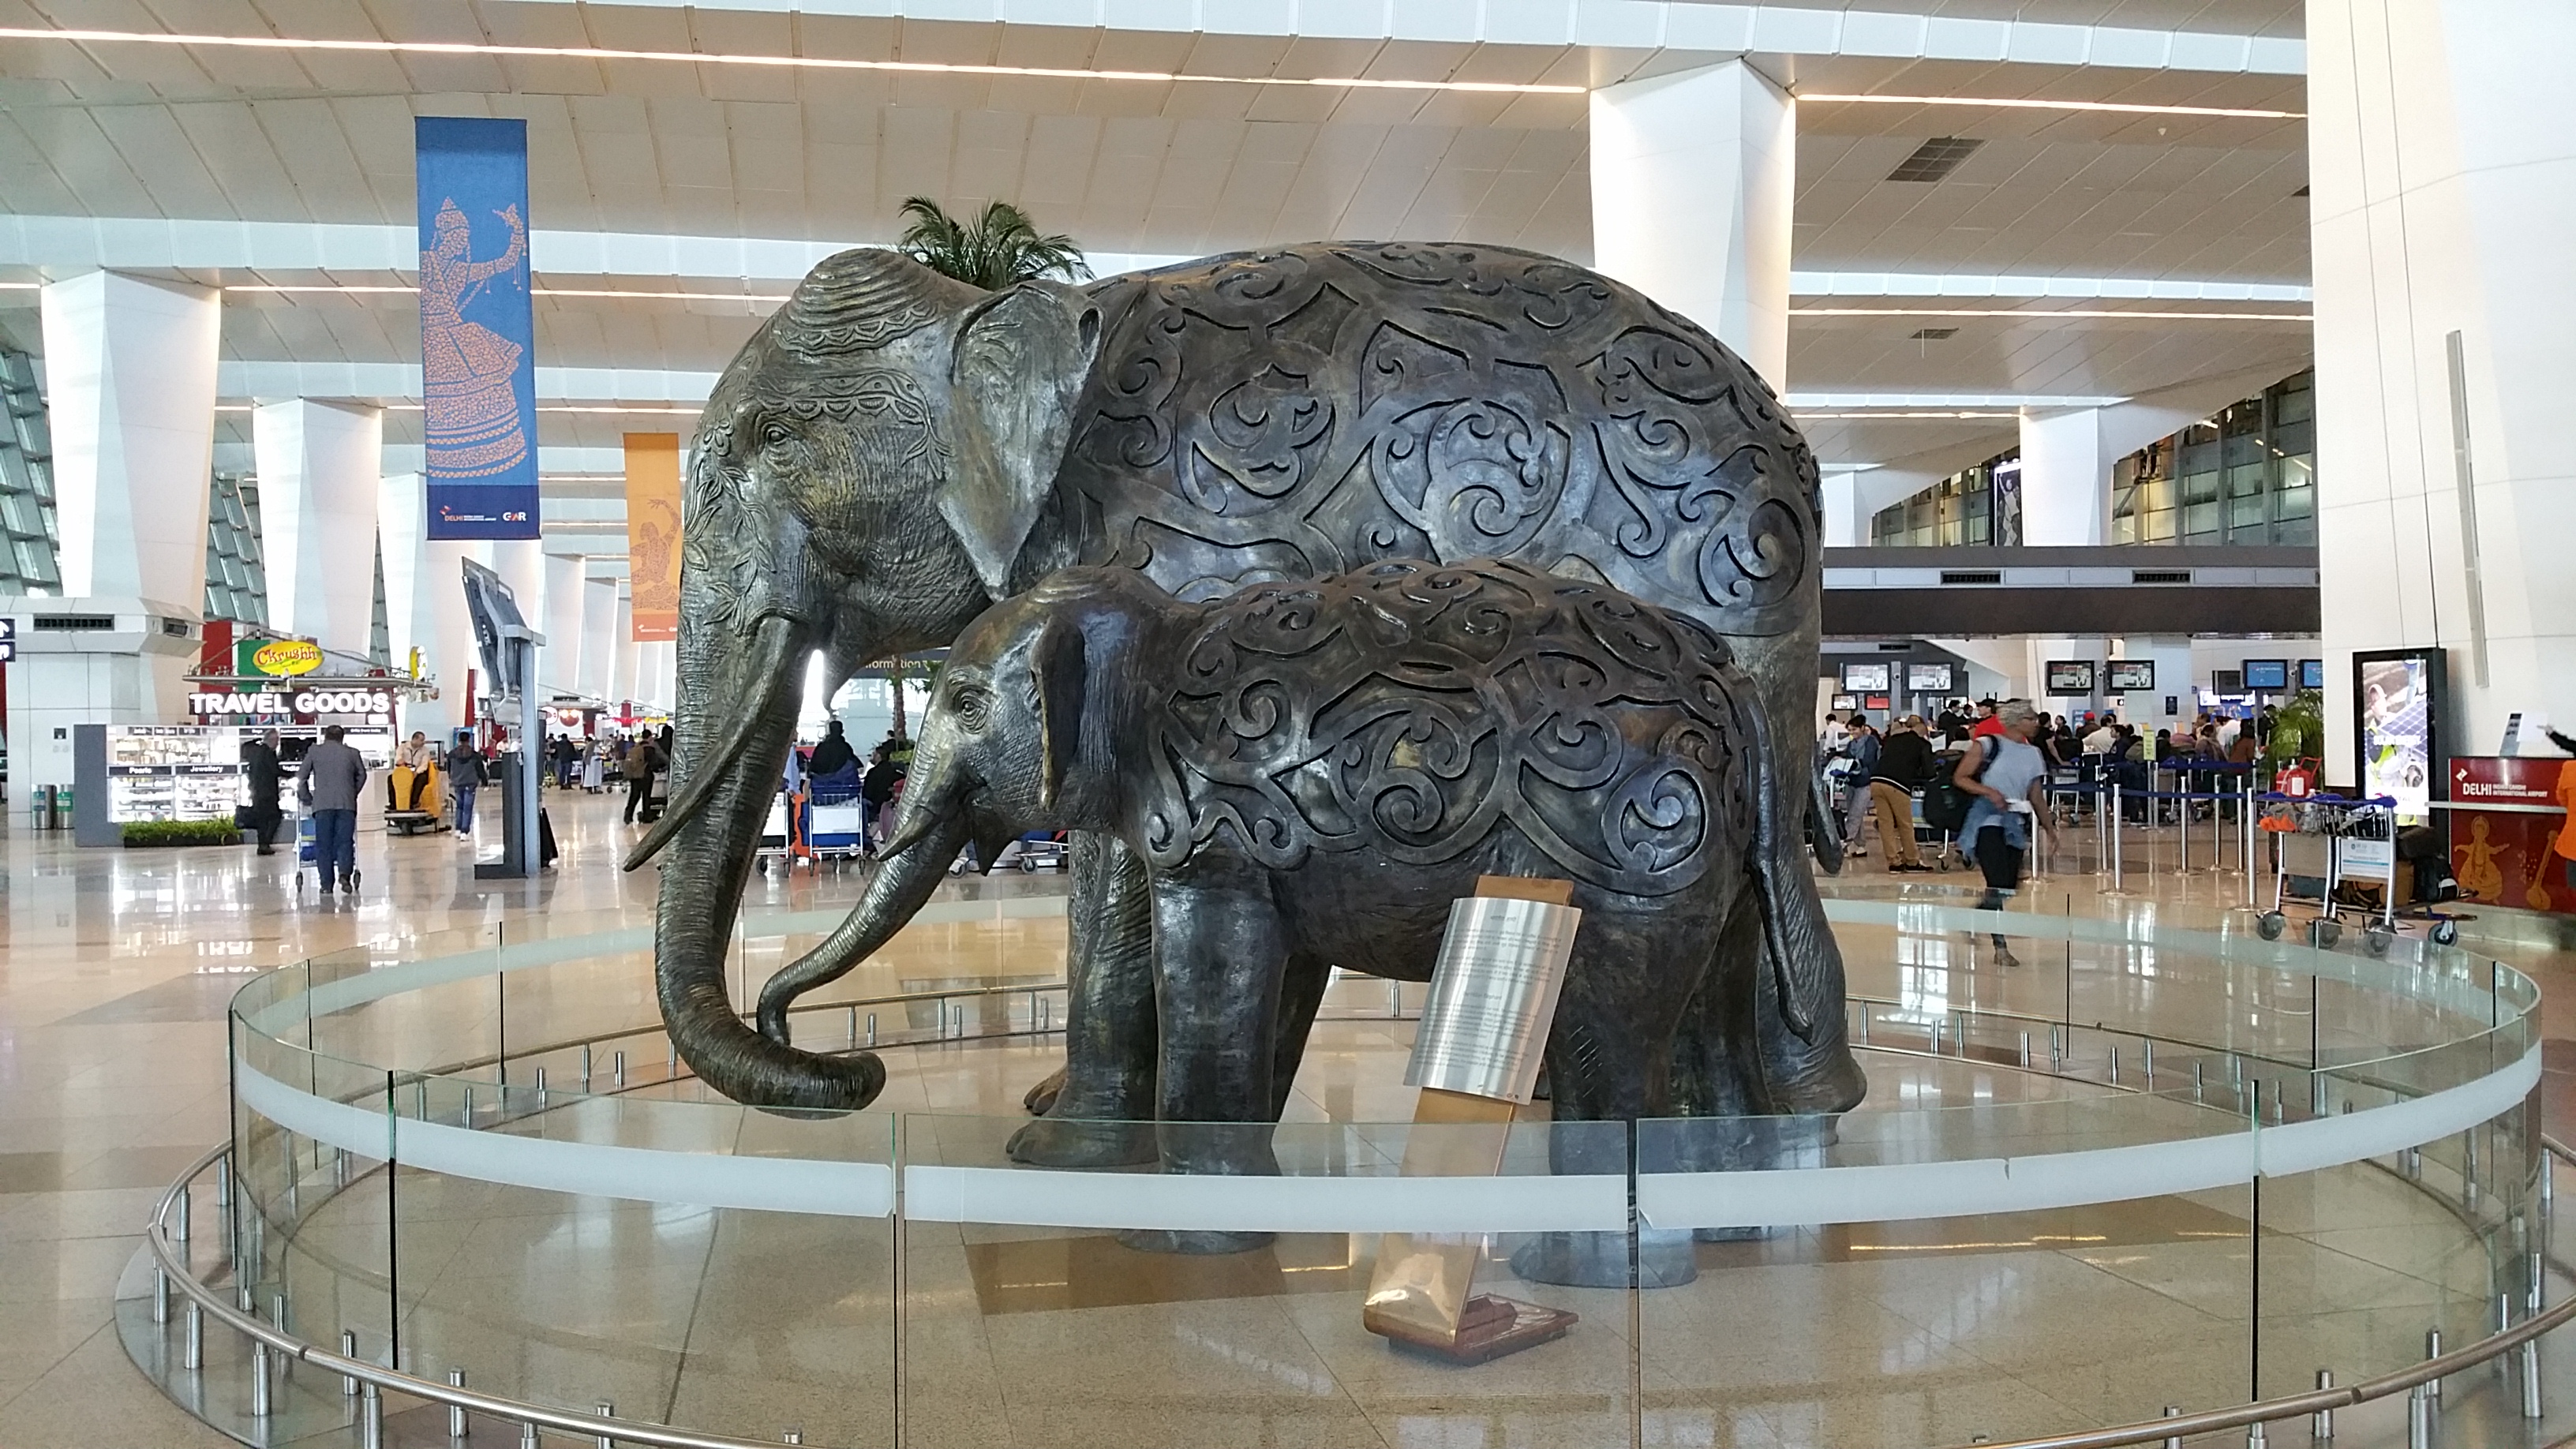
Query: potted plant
x,y
180,832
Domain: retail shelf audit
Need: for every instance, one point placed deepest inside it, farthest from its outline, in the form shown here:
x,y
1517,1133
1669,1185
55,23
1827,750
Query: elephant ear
x,y
1060,668
1021,360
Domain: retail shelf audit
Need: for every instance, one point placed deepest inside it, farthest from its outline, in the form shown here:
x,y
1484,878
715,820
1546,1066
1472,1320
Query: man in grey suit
x,y
333,780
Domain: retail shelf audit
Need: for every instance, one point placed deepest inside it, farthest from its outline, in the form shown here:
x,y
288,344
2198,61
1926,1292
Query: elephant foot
x,y
1600,1260
1041,1098
1192,1242
1077,1142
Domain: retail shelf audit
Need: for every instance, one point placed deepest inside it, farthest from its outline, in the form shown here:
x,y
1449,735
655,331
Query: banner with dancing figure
x,y
477,331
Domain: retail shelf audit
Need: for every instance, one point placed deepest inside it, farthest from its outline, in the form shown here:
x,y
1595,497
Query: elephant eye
x,y
971,705
774,433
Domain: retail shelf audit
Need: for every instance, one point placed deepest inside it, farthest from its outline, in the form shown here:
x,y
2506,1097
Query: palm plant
x,y
998,249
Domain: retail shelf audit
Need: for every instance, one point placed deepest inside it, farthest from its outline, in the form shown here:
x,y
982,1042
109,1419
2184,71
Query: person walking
x,y
333,780
877,791
2009,778
638,768
466,773
267,775
1904,766
1862,745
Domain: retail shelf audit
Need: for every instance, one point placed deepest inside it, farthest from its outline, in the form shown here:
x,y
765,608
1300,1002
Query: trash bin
x,y
62,807
40,808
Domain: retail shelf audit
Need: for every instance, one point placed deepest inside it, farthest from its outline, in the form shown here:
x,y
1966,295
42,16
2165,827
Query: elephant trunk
x,y
912,867
732,776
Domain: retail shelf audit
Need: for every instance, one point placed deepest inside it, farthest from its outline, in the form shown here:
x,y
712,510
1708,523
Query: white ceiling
x,y
210,133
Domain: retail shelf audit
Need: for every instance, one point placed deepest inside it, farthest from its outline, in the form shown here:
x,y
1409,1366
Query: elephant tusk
x,y
771,646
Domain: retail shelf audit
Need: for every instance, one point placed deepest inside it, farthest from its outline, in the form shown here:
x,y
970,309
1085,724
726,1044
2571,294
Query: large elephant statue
x,y
1311,773
894,451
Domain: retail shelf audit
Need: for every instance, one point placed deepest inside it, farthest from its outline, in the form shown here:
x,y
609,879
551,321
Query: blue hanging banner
x,y
477,332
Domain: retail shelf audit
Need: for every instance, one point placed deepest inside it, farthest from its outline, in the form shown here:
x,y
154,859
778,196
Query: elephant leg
x,y
1609,1063
1723,1107
1301,991
1220,954
1802,1075
1102,1112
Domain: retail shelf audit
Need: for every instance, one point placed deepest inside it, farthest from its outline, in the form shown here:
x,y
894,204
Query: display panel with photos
x,y
2398,699
2267,676
194,772
2312,674
2131,676
2070,677
1928,679
1867,678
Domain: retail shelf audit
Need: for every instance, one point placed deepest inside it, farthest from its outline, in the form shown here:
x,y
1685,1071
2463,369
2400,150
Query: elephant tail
x,y
1824,826
1807,963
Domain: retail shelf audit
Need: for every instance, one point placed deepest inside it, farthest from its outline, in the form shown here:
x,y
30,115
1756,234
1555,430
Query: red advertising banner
x,y
2514,858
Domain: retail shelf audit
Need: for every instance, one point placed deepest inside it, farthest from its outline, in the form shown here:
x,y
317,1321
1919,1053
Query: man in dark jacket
x,y
331,784
466,773
878,789
267,776
1904,766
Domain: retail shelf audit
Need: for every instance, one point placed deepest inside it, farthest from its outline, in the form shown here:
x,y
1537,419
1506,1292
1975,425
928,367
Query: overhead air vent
x,y
2159,576
1903,647
175,628
1934,334
73,623
1935,159
1972,576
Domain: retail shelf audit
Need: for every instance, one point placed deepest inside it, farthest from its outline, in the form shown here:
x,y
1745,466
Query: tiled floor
x,y
118,965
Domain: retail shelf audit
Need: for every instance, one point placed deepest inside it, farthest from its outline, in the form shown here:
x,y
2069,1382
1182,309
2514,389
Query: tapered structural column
x,y
559,663
2171,654
657,668
622,661
130,392
1692,179
2442,158
598,637
2065,477
319,485
425,601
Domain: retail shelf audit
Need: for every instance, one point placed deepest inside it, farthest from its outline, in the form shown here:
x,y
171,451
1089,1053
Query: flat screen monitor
x,y
2312,674
2132,676
1843,702
2068,678
1928,679
2266,676
1867,678
2226,681
2399,698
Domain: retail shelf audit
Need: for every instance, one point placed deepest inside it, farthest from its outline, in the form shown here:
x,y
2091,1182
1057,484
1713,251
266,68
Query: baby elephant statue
x,y
1313,772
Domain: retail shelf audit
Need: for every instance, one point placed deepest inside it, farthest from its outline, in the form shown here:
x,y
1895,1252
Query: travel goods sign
x,y
477,331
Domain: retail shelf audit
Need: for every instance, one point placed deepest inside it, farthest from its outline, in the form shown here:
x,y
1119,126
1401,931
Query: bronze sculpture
x,y
894,451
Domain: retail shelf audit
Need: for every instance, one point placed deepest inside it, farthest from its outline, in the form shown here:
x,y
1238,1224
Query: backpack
x,y
1945,805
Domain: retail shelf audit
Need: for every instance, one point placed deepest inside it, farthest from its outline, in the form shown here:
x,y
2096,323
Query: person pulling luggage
x,y
2009,778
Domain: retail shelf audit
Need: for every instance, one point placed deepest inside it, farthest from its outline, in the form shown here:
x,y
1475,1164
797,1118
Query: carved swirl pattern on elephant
x,y
1506,405
1408,710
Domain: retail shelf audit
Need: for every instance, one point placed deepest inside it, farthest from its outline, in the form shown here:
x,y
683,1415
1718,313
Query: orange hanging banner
x,y
653,532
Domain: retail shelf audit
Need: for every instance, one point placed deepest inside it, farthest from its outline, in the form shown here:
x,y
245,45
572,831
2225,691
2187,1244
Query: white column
x,y
2442,155
130,393
319,494
1845,525
2065,477
621,668
2172,656
425,601
559,663
598,637
656,671
1692,179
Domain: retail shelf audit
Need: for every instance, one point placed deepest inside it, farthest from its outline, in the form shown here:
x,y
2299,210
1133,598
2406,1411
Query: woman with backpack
x,y
2008,777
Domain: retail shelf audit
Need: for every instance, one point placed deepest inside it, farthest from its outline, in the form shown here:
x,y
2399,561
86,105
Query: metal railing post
x,y
192,1339
371,1417
259,1378
2173,1441
458,1425
606,1410
2119,826
2321,1423
2433,1350
348,1349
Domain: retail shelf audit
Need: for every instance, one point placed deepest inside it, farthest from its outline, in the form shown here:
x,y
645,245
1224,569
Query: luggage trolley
x,y
776,833
835,824
2332,840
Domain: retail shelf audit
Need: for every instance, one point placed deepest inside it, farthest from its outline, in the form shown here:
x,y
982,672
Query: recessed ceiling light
x,y
788,62
2018,104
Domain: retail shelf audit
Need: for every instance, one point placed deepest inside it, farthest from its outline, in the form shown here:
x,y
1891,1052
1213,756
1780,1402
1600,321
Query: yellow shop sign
x,y
285,658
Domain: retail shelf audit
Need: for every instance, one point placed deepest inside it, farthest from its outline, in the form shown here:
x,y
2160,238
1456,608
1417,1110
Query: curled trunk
x,y
902,883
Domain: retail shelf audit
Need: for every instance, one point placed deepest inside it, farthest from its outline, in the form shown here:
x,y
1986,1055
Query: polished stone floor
x,y
118,965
